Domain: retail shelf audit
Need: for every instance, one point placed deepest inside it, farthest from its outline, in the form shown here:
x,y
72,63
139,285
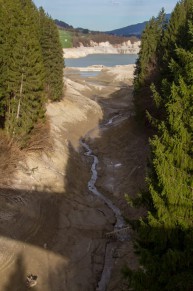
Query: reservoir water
x,y
108,60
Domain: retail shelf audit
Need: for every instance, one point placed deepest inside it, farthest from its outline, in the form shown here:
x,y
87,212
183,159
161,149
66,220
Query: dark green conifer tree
x,y
52,57
166,234
24,70
174,35
147,70
6,46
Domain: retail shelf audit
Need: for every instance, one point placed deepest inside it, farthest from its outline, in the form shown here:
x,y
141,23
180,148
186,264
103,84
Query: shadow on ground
x,y
60,236
57,236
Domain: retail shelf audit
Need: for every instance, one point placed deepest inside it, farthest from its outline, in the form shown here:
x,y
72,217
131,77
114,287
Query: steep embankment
x,y
51,224
103,48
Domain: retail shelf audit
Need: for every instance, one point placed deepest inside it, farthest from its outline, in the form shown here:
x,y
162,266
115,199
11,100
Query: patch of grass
x,y
65,38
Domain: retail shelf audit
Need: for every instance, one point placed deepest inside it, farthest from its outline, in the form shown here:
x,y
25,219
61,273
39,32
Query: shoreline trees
x,y
24,74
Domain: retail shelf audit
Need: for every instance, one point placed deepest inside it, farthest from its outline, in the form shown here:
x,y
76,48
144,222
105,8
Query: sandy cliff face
x,y
102,48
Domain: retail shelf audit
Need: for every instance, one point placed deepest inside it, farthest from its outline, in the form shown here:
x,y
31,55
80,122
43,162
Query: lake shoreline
x,y
98,61
104,48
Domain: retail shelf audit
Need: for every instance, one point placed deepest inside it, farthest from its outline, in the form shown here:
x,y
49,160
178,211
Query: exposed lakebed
x,y
56,228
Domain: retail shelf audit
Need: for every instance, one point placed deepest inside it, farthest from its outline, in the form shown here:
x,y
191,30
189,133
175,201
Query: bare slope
x,y
50,224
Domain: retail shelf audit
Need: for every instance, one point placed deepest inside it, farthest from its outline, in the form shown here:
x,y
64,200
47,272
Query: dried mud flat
x,y
50,224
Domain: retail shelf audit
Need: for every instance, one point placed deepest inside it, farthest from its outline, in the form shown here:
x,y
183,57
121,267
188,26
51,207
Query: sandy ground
x,y
50,224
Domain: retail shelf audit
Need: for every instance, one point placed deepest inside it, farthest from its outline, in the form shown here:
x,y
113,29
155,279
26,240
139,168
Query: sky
x,y
104,15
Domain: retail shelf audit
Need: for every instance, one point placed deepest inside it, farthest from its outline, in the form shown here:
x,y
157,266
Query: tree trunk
x,y
20,95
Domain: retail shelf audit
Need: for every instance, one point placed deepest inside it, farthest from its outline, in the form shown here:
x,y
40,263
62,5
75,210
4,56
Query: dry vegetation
x,y
40,139
10,155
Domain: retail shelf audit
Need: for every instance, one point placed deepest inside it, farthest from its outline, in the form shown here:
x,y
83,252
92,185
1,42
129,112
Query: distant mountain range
x,y
132,30
135,29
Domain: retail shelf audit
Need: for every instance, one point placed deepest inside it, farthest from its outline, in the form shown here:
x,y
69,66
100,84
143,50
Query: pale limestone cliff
x,y
102,48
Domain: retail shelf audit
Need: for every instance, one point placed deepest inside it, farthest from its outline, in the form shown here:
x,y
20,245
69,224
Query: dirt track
x,y
50,224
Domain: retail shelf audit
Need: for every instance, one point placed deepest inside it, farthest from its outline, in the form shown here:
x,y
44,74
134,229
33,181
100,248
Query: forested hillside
x,y
132,30
31,67
164,99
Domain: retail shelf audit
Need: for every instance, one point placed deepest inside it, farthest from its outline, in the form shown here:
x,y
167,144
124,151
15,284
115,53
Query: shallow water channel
x,y
120,222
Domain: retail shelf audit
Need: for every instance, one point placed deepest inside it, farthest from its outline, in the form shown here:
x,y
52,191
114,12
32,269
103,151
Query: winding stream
x,y
120,223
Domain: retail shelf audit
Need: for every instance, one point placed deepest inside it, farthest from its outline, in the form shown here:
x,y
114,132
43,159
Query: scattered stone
x,y
31,281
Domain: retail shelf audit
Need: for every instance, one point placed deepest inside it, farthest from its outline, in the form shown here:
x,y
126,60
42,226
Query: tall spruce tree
x,y
166,234
173,35
52,57
24,70
147,70
7,25
31,66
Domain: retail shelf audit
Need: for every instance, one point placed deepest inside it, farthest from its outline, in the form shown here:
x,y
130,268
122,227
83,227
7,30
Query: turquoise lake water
x,y
108,60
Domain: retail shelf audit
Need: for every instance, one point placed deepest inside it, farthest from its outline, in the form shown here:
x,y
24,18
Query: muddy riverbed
x,y
51,224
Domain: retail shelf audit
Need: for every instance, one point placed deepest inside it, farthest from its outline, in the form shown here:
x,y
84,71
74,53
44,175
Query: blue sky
x,y
104,14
